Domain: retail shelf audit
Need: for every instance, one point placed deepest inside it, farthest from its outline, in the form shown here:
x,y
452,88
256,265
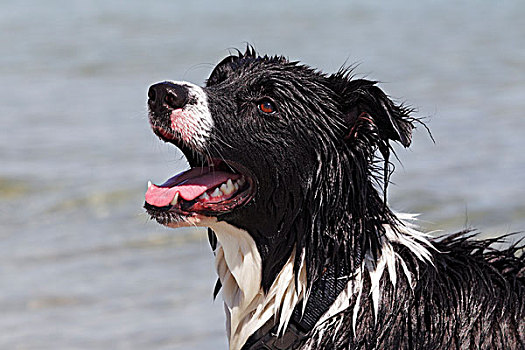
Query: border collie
x,y
289,171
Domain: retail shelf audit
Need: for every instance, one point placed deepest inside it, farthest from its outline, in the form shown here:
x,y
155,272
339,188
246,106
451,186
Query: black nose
x,y
167,94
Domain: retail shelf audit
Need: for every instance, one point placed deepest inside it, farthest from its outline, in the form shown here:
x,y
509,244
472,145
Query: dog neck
x,y
248,307
404,234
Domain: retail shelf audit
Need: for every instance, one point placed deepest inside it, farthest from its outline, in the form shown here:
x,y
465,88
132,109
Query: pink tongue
x,y
188,189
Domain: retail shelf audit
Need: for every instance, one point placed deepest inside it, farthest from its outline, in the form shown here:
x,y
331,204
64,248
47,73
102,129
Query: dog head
x,y
290,155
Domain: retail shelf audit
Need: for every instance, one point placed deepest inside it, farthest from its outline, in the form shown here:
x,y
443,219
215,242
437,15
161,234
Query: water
x,y
82,267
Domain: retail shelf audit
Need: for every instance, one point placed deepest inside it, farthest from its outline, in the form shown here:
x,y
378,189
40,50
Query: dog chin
x,y
192,221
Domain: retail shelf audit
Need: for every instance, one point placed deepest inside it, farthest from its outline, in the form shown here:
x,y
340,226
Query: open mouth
x,y
179,114
209,190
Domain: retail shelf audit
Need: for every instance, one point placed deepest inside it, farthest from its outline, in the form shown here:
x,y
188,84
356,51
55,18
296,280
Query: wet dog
x,y
289,169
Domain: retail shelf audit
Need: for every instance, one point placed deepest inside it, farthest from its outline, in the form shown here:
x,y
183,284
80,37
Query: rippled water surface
x,y
82,267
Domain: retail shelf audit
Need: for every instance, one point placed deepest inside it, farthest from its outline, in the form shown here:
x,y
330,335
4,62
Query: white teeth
x,y
149,184
175,199
228,187
216,193
225,189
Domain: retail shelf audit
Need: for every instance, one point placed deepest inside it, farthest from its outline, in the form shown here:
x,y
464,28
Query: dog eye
x,y
267,106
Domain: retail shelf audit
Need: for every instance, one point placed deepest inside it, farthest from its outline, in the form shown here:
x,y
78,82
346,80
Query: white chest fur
x,y
247,307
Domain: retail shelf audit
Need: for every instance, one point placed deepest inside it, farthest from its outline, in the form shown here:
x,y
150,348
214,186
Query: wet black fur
x,y
321,165
471,298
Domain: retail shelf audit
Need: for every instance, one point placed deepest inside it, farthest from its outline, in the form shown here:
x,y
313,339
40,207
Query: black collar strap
x,y
322,296
266,338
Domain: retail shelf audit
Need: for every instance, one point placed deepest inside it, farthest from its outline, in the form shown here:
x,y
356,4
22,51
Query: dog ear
x,y
222,70
225,67
365,103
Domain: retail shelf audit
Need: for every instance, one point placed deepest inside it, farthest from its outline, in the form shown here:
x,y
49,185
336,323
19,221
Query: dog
x,y
289,169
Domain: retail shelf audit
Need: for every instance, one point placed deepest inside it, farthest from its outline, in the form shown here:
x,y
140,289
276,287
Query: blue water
x,y
82,267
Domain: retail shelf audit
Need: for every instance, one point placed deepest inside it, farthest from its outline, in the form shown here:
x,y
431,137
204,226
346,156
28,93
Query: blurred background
x,y
81,265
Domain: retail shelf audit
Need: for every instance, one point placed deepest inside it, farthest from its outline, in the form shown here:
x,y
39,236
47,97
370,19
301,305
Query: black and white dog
x,y
289,170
